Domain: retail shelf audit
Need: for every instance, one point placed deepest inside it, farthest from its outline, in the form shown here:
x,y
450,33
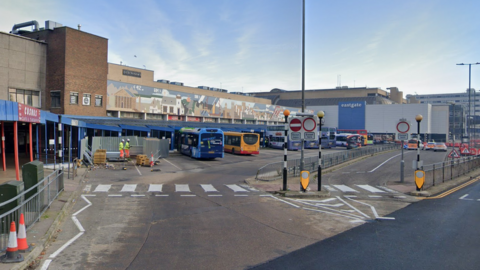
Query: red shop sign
x,y
28,114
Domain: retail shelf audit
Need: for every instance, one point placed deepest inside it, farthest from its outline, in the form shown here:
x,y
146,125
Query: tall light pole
x,y
320,115
469,94
419,118
302,160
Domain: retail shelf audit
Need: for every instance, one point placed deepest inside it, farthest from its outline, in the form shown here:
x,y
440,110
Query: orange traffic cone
x,y
12,255
151,161
22,236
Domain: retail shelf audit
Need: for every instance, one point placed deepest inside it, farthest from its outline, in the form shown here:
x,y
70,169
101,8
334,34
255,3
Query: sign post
x,y
402,127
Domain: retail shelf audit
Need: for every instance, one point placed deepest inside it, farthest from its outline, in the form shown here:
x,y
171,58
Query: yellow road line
x,y
453,189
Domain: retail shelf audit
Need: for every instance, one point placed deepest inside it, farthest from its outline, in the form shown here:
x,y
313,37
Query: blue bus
x,y
275,135
328,139
202,142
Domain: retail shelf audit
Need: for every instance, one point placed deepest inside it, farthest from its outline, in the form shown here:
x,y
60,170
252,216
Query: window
x,y
98,100
28,97
73,98
165,109
171,109
86,99
55,97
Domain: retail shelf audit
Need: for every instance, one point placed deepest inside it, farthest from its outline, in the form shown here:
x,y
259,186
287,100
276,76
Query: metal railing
x,y
274,171
38,199
448,170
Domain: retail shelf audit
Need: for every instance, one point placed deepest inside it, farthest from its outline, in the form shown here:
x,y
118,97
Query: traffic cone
x,y
151,161
12,255
22,237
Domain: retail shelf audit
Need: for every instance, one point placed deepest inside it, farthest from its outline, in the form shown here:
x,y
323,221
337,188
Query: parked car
x,y
440,147
430,146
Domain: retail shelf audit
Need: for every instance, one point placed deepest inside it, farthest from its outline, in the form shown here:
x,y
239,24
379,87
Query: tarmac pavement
x,y
43,232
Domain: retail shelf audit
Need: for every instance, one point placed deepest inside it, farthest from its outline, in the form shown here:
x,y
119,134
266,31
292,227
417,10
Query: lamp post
x,y
419,118
320,115
286,113
469,94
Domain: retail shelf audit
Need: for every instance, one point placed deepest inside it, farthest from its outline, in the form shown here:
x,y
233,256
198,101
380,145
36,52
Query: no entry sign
x,y
309,124
295,125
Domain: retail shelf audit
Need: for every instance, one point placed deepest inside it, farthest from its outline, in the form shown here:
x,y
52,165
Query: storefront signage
x,y
127,72
28,114
351,105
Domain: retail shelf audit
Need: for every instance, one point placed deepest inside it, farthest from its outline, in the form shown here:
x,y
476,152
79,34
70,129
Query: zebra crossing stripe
x,y
155,188
182,188
250,188
329,188
209,188
103,188
129,188
344,188
387,189
370,188
236,188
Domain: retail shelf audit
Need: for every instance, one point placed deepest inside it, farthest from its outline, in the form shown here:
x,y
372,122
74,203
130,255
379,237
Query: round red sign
x,y
295,125
309,124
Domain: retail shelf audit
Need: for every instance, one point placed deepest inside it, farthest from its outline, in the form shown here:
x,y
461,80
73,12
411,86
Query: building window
x,y
98,101
55,96
28,97
86,99
171,109
165,109
73,98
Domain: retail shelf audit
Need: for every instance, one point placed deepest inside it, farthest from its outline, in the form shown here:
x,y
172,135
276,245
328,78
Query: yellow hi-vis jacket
x,y
127,145
120,146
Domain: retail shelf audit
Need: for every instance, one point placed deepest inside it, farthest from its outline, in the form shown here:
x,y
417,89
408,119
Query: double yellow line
x,y
453,189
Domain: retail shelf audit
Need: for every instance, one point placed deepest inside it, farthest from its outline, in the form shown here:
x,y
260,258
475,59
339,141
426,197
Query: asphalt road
x,y
432,234
205,229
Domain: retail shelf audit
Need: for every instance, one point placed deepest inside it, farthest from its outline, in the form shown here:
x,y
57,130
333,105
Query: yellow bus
x,y
241,143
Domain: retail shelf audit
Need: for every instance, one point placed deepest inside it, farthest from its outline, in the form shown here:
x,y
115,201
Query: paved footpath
x,y
43,231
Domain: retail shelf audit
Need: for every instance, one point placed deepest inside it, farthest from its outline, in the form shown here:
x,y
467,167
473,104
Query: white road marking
x,y
240,195
137,195
115,195
344,188
351,206
384,163
155,188
136,167
215,195
326,212
357,221
236,188
329,188
370,188
373,210
89,195
374,196
464,198
209,188
87,188
250,188
387,218
285,201
161,195
188,195
265,195
400,197
181,188
128,188
171,164
387,189
69,242
102,188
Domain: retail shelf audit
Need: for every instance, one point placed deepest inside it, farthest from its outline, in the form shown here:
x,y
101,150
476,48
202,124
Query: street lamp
x,y
320,115
419,118
286,113
469,94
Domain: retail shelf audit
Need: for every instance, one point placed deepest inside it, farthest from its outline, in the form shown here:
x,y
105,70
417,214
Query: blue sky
x,y
255,45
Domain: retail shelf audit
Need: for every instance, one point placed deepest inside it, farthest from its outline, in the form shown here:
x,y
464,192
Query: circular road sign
x,y
295,125
309,124
403,127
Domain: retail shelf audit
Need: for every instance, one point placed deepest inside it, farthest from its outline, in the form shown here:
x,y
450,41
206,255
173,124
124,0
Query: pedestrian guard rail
x,y
274,171
449,169
33,207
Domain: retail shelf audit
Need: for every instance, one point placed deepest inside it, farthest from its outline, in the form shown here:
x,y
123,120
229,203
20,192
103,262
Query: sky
x,y
256,45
